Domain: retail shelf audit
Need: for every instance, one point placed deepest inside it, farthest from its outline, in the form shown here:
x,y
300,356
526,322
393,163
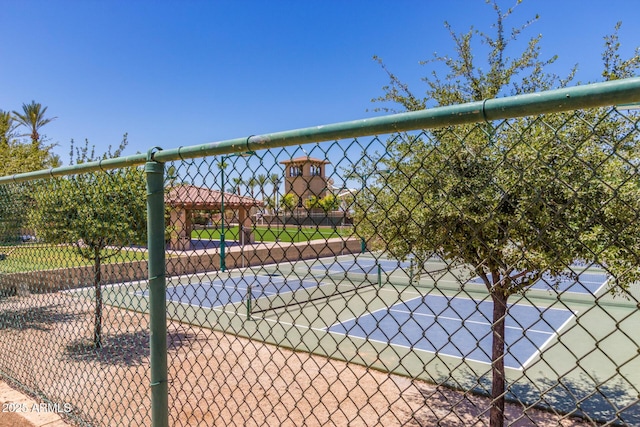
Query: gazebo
x,y
185,198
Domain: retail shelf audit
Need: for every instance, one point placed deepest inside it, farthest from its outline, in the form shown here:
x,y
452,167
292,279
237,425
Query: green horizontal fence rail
x,y
281,284
589,96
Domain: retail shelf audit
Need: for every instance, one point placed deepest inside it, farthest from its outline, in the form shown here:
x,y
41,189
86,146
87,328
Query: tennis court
x,y
459,327
434,326
218,293
415,318
584,283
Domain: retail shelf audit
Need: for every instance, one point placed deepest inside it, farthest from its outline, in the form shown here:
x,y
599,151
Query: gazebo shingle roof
x,y
193,197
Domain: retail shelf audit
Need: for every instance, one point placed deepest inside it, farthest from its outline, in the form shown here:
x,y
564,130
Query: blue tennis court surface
x,y
459,327
584,283
233,290
453,326
370,266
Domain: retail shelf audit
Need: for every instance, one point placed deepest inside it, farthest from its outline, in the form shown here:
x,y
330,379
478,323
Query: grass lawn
x,y
35,257
289,234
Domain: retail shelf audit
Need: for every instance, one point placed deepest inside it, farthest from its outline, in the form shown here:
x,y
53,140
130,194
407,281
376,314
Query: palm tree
x,y
251,185
7,126
237,182
262,181
33,118
274,179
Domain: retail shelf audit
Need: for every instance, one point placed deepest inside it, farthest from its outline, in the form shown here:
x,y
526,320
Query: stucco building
x,y
305,177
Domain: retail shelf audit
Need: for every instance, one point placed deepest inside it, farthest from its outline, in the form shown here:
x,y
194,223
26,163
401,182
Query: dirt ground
x,y
14,420
19,410
215,379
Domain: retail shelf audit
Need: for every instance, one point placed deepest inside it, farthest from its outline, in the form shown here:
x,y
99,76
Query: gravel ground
x,y
214,378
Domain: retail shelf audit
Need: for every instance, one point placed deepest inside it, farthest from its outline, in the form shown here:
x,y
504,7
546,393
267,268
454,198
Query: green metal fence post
x,y
157,288
223,265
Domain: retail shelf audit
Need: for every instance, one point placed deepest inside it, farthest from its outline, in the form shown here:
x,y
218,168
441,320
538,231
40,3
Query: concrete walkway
x,y
19,410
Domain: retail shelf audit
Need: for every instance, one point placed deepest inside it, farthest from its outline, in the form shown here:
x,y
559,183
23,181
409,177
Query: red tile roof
x,y
193,197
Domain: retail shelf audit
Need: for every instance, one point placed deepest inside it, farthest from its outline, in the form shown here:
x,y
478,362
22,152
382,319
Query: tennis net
x,y
323,280
281,292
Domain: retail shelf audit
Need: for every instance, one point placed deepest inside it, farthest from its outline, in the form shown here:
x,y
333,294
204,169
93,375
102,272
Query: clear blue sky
x,y
174,73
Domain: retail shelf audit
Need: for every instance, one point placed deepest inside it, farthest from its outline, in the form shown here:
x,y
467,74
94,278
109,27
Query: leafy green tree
x,y
515,201
14,204
172,176
329,203
16,156
33,118
289,202
312,202
97,213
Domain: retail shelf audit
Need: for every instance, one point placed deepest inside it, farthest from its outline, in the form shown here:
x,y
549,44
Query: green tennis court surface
x,y
529,328
381,313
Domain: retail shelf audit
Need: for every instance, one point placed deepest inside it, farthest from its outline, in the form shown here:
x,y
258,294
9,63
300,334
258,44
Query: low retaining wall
x,y
176,265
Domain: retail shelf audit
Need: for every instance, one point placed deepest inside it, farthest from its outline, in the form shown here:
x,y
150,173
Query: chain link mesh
x,y
354,282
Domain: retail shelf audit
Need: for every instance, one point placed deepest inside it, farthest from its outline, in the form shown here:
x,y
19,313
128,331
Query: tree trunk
x,y
496,415
97,325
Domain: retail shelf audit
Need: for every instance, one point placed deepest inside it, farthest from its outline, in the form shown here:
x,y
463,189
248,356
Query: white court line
x,y
220,308
546,343
521,367
461,321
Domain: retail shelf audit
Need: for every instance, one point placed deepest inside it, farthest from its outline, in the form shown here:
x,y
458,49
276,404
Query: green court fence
x,y
474,264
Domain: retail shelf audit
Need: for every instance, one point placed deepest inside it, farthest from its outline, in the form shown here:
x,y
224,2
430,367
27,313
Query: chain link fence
x,y
468,265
